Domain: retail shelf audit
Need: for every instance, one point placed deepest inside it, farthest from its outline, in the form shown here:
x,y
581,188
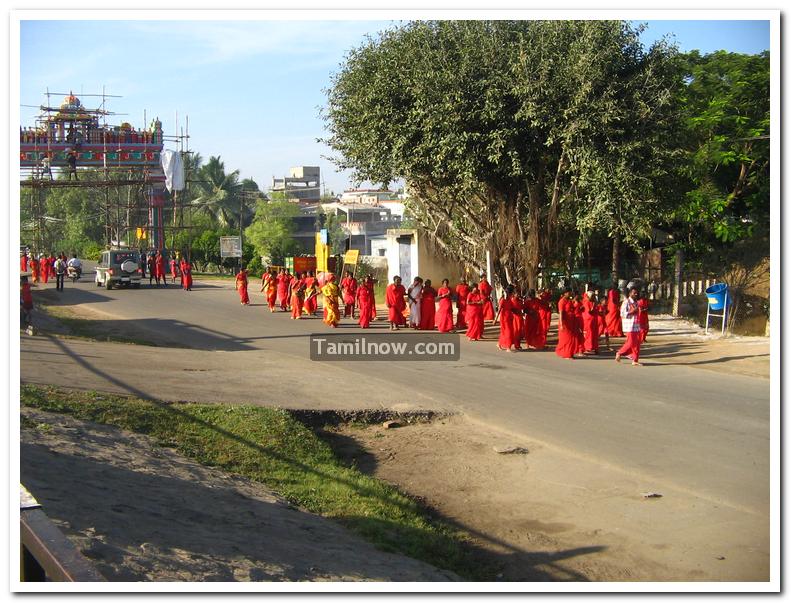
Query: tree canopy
x,y
726,113
504,129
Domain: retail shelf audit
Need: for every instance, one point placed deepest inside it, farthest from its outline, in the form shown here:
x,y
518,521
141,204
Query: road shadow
x,y
192,531
485,552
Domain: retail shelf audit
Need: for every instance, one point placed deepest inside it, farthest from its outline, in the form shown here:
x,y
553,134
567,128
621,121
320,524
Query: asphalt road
x,y
679,427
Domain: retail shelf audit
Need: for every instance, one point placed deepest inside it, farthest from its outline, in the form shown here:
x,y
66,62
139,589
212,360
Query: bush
x,y
92,251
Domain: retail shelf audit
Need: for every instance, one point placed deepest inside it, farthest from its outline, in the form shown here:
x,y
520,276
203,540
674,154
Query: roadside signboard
x,y
230,247
351,257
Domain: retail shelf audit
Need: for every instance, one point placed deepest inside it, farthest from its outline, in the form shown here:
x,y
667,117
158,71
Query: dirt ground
x,y
601,529
141,512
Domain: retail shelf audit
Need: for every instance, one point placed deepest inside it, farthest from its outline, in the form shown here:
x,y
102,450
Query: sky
x,y
252,90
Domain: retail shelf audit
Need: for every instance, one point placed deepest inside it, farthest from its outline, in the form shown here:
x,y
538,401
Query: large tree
x,y
726,111
500,128
272,228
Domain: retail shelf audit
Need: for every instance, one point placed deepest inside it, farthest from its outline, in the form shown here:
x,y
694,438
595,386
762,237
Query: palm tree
x,y
218,193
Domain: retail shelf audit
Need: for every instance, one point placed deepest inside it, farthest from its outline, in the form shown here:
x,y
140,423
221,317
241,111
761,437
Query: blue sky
x,y
252,90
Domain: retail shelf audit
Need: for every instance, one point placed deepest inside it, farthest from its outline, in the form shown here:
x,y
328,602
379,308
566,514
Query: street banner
x,y
351,257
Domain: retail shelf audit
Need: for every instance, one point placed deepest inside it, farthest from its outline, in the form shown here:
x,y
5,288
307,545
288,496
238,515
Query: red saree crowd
x,y
524,316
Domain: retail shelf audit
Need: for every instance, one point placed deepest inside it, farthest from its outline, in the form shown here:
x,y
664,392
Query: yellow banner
x,y
351,257
322,251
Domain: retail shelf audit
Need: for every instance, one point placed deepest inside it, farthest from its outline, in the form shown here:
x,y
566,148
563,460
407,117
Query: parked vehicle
x,y
119,267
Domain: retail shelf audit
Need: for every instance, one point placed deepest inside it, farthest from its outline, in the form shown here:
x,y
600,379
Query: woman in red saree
x,y
174,269
159,269
44,267
364,301
370,284
444,319
535,336
428,310
349,288
485,289
578,331
567,341
186,275
282,289
34,268
642,306
394,298
241,287
545,309
519,318
590,323
474,316
462,291
505,312
311,302
614,328
297,298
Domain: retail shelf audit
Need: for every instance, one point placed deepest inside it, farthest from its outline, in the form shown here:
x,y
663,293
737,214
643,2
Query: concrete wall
x,y
424,259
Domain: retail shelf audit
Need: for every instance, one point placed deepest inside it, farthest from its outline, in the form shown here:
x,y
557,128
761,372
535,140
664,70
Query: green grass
x,y
85,328
270,446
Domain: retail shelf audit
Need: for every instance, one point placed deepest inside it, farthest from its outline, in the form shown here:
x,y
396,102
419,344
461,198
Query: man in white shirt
x,y
631,328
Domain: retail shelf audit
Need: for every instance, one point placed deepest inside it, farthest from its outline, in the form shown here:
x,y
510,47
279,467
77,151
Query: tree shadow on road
x,y
530,560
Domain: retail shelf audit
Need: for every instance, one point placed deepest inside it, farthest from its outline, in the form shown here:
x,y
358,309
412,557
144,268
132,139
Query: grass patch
x,y
270,446
86,328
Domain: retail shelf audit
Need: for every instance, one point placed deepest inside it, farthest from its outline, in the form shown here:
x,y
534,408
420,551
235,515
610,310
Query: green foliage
x,y
269,446
220,195
337,237
726,111
503,130
271,229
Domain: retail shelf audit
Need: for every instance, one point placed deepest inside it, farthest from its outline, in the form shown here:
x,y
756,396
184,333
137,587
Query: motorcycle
x,y
74,273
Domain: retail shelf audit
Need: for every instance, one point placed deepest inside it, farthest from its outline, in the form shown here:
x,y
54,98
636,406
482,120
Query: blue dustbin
x,y
717,295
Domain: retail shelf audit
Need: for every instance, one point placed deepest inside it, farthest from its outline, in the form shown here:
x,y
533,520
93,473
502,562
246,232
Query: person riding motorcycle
x,y
74,266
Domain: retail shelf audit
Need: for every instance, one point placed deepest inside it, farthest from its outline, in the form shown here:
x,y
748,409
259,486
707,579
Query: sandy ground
x,y
602,529
144,513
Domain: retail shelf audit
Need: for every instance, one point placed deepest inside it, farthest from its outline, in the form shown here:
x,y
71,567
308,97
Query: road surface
x,y
679,428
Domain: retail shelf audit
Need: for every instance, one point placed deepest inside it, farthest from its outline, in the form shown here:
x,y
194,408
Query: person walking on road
x,y
394,299
159,268
241,287
186,274
60,273
630,321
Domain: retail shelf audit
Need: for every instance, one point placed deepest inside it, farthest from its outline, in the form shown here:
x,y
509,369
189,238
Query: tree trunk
x,y
534,241
677,282
616,257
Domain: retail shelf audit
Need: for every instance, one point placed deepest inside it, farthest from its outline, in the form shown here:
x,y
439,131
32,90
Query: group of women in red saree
x,y
299,294
523,318
42,268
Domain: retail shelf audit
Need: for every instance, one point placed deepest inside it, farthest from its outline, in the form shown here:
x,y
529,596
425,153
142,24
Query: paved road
x,y
701,437
703,432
